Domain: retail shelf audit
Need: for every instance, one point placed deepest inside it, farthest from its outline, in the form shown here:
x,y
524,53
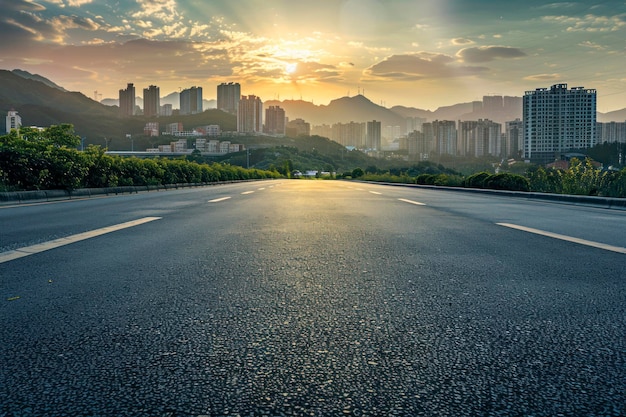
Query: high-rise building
x,y
479,138
14,121
373,135
442,134
493,104
127,101
250,115
323,130
275,121
166,110
557,120
349,134
418,149
428,137
514,141
191,101
611,132
298,127
228,96
151,101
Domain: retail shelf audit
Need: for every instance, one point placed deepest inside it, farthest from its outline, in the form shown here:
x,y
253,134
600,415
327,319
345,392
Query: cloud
x,y
592,45
462,41
543,77
164,10
78,3
21,6
589,23
63,23
419,66
489,53
558,6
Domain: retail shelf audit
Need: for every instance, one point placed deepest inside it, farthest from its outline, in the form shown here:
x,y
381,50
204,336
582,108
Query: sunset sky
x,y
415,53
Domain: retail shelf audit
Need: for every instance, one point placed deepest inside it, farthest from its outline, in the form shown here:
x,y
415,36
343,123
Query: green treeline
x,y
581,178
48,159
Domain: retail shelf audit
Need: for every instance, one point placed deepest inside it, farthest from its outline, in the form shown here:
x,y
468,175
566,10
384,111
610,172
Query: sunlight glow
x,y
290,68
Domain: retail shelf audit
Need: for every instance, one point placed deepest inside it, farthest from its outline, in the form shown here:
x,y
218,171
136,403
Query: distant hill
x,y
345,109
613,116
40,102
37,77
360,109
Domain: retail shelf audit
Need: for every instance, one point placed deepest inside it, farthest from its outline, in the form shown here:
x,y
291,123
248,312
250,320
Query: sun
x,y
291,68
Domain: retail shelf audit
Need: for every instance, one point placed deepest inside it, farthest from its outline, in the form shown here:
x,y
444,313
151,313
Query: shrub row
x,y
27,164
581,178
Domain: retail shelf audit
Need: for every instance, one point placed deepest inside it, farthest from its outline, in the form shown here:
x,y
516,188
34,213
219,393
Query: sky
x,y
417,53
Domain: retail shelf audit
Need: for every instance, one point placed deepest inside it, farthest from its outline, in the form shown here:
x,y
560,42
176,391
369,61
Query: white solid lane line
x,y
417,203
52,244
217,200
566,238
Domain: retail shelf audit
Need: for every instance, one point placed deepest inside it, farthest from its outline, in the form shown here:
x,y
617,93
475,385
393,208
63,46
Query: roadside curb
x,y
25,197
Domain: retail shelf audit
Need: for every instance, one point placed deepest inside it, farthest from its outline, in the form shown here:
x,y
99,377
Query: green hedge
x,y
45,160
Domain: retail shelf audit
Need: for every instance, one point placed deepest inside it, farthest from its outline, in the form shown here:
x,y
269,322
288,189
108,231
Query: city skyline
x,y
399,52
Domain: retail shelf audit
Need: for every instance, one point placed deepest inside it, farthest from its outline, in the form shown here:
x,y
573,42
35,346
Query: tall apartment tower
x,y
127,101
557,120
14,121
493,104
479,138
228,95
514,139
250,115
191,101
349,134
297,127
151,101
373,135
444,137
275,121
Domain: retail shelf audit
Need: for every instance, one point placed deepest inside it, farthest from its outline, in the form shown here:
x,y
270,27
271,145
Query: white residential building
x,y
557,120
14,121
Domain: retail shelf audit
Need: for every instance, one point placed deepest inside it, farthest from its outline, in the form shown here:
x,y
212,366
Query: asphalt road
x,y
312,298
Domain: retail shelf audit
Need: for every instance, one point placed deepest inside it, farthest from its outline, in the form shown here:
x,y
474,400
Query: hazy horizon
x,y
399,52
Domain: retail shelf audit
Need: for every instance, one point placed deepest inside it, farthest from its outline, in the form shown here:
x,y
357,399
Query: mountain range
x,y
41,102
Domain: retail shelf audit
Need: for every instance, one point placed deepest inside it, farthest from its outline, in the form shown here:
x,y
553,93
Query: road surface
x,y
312,298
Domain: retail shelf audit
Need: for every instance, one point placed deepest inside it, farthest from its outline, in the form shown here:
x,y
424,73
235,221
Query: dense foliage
x,y
581,178
48,159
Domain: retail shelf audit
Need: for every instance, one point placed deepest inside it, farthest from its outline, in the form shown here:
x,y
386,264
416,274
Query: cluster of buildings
x,y
252,118
190,102
554,121
210,146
